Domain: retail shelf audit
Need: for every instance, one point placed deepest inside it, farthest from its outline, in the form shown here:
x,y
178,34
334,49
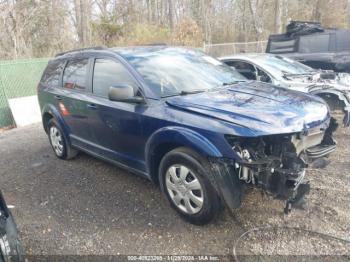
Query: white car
x,y
333,87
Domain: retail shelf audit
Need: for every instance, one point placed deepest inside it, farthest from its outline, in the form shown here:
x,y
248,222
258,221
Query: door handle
x,y
92,106
58,97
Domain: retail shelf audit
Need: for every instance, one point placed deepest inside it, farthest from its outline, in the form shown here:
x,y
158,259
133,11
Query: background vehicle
x,y
185,121
334,88
10,247
313,45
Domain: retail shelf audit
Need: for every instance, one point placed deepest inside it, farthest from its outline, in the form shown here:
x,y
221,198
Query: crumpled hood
x,y
262,108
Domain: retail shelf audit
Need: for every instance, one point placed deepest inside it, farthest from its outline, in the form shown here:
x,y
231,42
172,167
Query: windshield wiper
x,y
233,82
184,92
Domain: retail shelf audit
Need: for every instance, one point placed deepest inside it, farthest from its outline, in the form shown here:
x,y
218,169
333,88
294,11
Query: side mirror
x,y
124,93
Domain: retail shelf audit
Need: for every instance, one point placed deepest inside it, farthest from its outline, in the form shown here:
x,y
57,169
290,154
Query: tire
x,y
58,141
183,176
11,249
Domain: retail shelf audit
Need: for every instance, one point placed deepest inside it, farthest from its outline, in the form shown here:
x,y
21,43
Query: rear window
x,y
74,76
314,43
282,46
52,74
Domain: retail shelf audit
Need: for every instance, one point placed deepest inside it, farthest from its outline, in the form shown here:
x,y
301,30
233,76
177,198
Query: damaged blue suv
x,y
185,121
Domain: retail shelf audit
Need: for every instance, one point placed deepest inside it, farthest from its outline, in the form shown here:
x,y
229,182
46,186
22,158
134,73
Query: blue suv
x,y
187,122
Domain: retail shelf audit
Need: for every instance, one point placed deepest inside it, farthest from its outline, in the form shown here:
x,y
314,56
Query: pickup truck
x,y
313,45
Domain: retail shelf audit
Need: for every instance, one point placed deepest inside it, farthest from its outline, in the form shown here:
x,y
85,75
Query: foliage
x,y
106,32
187,33
41,28
147,34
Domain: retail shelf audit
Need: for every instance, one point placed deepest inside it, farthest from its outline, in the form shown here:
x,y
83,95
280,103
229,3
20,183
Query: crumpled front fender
x,y
178,136
226,182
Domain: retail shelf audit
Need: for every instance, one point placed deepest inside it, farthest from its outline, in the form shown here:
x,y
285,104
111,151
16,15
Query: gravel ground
x,y
85,206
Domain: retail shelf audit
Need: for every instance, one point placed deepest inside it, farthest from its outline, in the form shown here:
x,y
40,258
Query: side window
x,y
244,68
263,77
52,74
343,40
109,73
314,43
74,76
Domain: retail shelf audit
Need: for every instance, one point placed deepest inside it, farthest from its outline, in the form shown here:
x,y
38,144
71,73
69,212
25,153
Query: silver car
x,y
333,87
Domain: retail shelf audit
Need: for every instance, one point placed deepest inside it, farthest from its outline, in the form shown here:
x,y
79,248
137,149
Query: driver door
x,y
116,126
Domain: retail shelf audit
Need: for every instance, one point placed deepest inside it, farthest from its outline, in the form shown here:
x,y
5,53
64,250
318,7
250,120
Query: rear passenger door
x,y
116,126
73,99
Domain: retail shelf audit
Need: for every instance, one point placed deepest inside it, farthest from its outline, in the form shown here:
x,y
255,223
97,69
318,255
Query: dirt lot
x,y
86,206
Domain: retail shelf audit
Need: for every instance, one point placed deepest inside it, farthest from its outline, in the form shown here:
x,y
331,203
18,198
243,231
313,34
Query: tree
x,y
82,10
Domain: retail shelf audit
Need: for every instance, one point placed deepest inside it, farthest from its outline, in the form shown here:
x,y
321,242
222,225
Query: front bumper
x,y
281,183
281,175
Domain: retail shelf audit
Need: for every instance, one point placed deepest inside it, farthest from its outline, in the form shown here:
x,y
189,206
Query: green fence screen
x,y
18,78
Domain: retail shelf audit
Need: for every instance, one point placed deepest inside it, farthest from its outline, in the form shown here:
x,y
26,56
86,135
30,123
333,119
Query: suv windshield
x,y
172,71
284,65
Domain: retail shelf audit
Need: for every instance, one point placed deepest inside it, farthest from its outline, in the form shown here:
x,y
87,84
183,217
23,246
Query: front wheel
x,y
184,180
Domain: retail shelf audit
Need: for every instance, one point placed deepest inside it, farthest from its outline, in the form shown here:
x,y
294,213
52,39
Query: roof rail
x,y
81,49
305,22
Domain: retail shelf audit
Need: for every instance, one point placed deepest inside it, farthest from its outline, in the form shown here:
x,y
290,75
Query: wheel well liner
x,y
333,100
46,118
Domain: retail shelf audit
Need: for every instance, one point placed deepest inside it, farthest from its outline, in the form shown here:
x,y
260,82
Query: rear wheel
x,y
184,180
58,141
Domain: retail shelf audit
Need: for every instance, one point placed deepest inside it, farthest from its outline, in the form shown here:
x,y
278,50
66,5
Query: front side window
x,y
74,76
244,68
263,77
108,73
172,71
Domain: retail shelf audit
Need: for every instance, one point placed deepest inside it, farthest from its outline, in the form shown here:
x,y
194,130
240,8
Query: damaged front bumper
x,y
283,184
277,167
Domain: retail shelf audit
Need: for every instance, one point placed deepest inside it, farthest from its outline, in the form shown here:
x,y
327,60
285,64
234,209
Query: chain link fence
x,y
18,78
225,49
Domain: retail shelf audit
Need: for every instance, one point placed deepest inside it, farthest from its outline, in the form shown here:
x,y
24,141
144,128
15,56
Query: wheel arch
x,y
50,112
336,100
333,97
166,139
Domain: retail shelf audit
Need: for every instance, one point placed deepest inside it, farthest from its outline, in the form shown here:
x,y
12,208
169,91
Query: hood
x,y
262,108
